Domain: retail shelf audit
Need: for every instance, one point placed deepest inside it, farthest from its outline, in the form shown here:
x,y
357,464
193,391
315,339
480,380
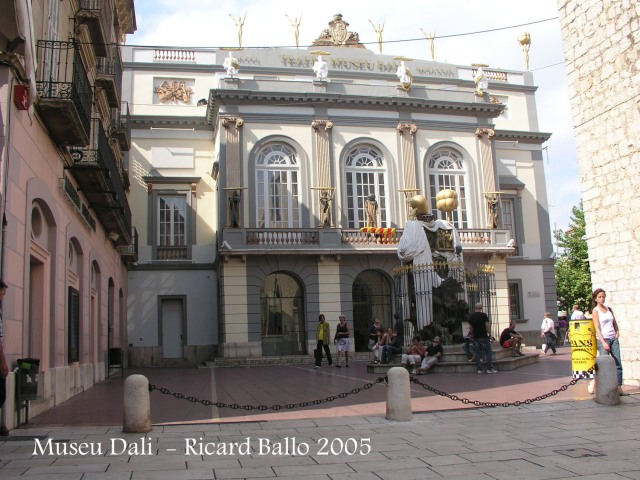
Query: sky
x,y
208,23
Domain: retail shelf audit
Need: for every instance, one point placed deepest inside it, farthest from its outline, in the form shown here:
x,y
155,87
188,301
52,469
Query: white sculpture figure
x,y
482,84
414,247
321,68
404,75
231,65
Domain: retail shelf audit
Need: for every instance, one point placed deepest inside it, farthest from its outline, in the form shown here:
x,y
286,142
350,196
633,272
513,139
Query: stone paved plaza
x,y
564,436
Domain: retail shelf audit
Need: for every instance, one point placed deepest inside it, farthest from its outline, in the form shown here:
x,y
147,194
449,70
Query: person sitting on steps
x,y
509,338
414,354
432,356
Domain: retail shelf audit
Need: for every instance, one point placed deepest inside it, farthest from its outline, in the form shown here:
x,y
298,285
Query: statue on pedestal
x,y
321,69
231,65
371,210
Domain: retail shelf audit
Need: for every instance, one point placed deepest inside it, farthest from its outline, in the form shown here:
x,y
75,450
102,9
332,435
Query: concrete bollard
x,y
398,395
607,381
137,405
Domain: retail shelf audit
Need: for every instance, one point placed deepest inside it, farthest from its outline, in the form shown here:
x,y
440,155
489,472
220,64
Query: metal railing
x,y
99,154
62,76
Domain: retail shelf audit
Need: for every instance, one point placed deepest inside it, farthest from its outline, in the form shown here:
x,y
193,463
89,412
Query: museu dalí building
x,y
251,196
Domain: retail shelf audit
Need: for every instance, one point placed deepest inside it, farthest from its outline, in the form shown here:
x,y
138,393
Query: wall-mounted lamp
x,y
216,170
202,102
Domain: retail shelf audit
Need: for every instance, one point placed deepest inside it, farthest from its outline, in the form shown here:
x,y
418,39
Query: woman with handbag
x,y
607,331
548,333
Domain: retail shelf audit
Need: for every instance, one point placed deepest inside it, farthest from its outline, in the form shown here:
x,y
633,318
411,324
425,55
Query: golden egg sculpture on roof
x,y
447,200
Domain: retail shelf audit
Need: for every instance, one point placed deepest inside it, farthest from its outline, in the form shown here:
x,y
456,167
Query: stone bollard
x,y
137,405
607,381
398,395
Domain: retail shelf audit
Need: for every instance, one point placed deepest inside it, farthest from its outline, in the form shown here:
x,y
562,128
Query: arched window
x,y
365,172
446,171
277,195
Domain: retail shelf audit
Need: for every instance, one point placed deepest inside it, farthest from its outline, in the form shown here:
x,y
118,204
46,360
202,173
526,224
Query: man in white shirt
x,y
577,314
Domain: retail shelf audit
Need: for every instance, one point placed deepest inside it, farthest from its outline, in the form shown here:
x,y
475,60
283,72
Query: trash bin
x,y
28,378
27,385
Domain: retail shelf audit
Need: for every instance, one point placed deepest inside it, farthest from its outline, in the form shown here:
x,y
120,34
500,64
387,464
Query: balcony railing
x,y
316,241
98,16
120,127
109,75
65,93
173,253
177,56
129,253
99,178
356,237
286,237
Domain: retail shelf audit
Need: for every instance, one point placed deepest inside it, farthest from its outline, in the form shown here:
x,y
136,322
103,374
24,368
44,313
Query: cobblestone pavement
x,y
567,435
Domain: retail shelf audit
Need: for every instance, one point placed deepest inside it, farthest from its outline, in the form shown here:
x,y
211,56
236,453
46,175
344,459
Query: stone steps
x,y
283,360
453,362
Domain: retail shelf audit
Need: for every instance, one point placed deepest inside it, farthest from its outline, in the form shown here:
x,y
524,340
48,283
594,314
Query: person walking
x,y
342,340
607,331
480,329
548,332
323,337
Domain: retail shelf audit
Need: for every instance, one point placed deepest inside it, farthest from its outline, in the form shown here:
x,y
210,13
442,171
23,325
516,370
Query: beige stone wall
x,y
602,51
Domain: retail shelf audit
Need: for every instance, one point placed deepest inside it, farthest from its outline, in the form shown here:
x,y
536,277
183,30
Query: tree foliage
x,y
573,276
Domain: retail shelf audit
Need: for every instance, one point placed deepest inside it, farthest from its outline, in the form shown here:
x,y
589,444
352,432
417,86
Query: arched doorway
x,y
282,316
371,298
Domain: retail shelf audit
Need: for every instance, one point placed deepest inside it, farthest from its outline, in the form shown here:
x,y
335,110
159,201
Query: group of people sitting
x,y
385,345
419,359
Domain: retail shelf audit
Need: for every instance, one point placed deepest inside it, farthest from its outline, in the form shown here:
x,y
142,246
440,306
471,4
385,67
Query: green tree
x,y
573,277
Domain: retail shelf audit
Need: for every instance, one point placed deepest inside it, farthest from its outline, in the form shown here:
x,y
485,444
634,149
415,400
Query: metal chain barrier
x,y
288,406
478,403
354,391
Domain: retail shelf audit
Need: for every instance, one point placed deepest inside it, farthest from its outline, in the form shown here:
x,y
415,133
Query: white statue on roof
x,y
321,68
231,65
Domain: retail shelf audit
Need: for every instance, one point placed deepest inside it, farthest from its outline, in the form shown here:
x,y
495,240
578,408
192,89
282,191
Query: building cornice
x,y
522,136
220,97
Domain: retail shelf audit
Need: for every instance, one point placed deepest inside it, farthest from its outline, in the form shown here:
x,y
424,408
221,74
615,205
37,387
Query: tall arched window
x,y
277,196
365,171
446,171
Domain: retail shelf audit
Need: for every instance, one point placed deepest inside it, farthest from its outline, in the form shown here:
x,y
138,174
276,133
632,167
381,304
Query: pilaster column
x,y
407,133
232,126
321,133
484,138
321,129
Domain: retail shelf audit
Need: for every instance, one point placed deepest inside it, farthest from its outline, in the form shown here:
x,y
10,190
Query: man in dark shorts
x,y
509,338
